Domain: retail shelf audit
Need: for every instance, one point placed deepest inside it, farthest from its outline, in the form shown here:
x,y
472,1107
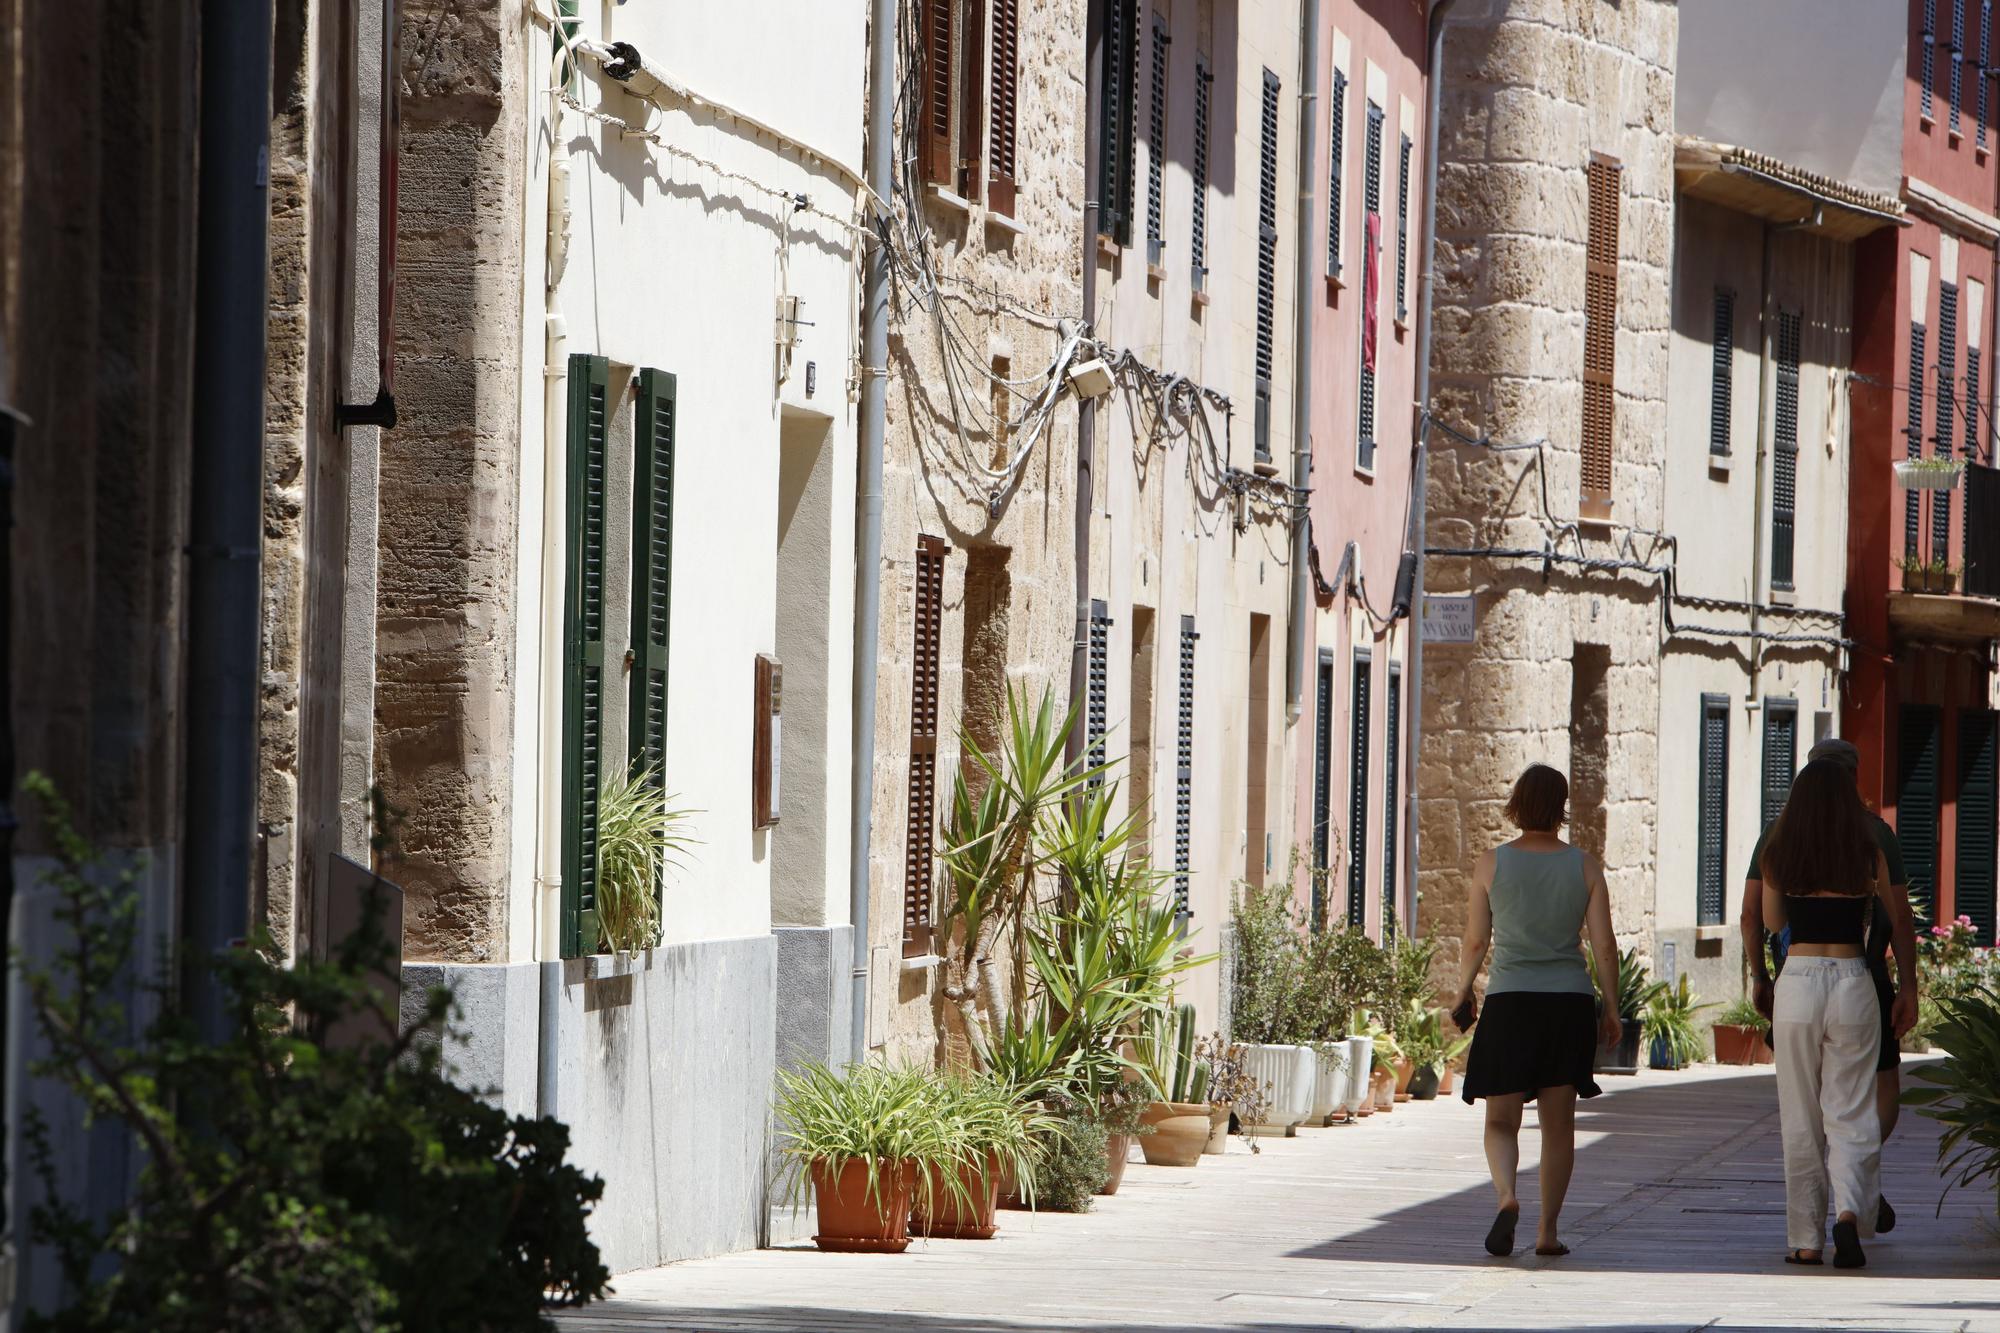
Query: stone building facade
x,y
1554,234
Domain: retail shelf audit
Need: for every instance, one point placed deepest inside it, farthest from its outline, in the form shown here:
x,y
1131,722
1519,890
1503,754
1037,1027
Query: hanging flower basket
x,y
1928,474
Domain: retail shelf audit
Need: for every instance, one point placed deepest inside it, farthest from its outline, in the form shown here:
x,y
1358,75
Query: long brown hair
x,y
1822,842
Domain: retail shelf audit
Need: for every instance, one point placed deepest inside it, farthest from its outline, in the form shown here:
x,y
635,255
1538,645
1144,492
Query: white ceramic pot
x,y
1360,1059
1329,1083
1288,1075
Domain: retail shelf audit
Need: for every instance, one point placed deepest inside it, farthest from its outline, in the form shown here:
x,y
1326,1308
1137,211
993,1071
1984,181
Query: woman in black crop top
x,y
1821,869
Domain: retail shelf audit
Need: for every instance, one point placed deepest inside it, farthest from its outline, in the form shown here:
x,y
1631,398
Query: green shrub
x,y
1266,984
291,1183
1964,1091
1070,1166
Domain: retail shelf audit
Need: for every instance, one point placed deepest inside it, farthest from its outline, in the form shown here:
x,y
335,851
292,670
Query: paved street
x,y
1676,1220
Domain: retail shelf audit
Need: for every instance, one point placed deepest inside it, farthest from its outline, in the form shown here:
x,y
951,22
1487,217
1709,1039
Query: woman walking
x,y
1537,1039
1821,868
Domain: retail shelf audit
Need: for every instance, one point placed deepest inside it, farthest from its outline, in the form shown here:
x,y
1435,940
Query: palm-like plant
x,y
1964,1095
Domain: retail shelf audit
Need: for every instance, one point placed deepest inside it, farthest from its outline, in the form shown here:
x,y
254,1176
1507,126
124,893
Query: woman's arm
x,y
1774,908
1478,926
1603,949
1902,942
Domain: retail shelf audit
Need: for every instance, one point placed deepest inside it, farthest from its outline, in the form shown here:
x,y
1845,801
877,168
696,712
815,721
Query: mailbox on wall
x,y
765,745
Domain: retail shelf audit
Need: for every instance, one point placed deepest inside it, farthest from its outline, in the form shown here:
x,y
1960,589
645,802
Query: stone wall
x,y
1532,89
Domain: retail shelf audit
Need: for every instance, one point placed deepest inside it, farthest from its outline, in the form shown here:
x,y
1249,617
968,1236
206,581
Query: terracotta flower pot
x,y
1445,1081
1117,1147
1179,1131
1383,1083
1737,1044
1405,1071
1218,1131
965,1215
855,1218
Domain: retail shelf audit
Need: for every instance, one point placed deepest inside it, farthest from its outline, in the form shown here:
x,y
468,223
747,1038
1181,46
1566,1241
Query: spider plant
x,y
640,833
991,1134
884,1116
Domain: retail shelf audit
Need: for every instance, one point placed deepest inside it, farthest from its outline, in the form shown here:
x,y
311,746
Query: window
x,y
948,126
1913,429
1392,765
1957,57
1267,264
1371,286
1712,814
1198,224
1097,684
1156,146
1947,400
920,804
1403,231
1322,812
1184,767
1978,811
1357,793
1003,97
1781,755
1115,142
1917,775
1336,156
583,648
1600,334
1785,451
1928,57
1722,374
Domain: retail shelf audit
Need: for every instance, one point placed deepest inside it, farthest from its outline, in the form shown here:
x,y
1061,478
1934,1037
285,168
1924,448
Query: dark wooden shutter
x,y
1357,792
1403,229
1917,762
1978,821
1336,153
921,801
1980,89
1712,811
971,97
583,649
1156,147
1947,375
652,569
1115,145
1184,767
1971,399
1198,224
1927,57
1982,530
1392,772
938,20
1322,811
1267,264
1002,102
1785,452
1371,207
1781,755
1722,372
1957,58
1097,687
1913,430
1600,333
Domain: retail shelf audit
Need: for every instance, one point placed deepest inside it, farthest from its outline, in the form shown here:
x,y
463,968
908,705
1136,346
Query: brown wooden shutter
x,y
1600,335
938,21
1001,95
965,56
922,799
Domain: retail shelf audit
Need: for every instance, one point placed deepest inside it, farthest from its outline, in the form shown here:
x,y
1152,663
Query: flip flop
x,y
1847,1246
1552,1251
1885,1216
1500,1239
1798,1257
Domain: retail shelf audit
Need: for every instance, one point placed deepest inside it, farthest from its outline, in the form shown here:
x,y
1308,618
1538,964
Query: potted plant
x,y
1928,474
1635,992
1341,966
865,1139
1231,1090
1963,1092
640,833
1266,1001
1425,1049
994,1139
1069,1160
1387,1054
1739,1034
1673,1038
1179,1117
1933,576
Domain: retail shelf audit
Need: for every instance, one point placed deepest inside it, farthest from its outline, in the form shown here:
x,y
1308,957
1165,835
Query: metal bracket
x,y
381,412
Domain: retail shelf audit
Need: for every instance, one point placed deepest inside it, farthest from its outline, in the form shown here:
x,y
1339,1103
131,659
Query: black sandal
x,y
1847,1246
1500,1239
1798,1257
1556,1251
1885,1216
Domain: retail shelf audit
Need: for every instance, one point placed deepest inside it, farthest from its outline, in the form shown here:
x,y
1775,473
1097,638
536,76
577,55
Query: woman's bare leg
x,y
1556,1109
1503,1146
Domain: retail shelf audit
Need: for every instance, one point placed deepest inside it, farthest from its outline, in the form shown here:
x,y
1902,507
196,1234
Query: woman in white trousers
x,y
1821,867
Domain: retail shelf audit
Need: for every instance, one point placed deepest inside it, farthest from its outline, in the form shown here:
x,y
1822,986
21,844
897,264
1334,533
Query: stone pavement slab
x,y
1675,1219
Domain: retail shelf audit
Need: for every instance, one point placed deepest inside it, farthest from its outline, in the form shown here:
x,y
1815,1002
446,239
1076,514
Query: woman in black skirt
x,y
1537,1039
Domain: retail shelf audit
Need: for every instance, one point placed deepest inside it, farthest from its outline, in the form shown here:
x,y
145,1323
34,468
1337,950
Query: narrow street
x,y
1675,1219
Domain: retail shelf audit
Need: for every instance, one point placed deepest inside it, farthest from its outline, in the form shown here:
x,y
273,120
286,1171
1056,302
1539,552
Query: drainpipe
x,y
1413,678
1086,412
868,500
1302,375
225,520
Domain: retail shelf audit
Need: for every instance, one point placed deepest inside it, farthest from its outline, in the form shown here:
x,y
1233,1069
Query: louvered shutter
x,y
652,569
1003,99
1947,391
1115,145
1097,687
1322,811
1712,813
970,40
1357,793
1917,802
920,805
1267,263
1371,260
1978,816
1600,334
1913,431
1785,452
939,34
1927,58
1971,396
583,650
1403,229
1336,153
1982,530
1184,768
1980,90
1156,147
1957,57
1781,755
1392,772
1198,224
1722,374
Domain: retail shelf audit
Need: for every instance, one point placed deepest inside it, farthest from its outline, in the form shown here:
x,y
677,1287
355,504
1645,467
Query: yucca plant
x,y
1670,1024
1964,1095
640,833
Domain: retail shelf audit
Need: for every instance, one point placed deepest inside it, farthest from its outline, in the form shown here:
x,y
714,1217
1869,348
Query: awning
x,y
1761,186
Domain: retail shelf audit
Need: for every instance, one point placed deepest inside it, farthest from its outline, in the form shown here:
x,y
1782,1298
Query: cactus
x,y
1183,1070
1198,1085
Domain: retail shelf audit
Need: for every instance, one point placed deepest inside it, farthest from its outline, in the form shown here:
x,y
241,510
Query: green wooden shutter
x,y
1942,424
1357,794
1712,810
1917,802
652,569
1978,821
1097,688
583,650
1336,154
1322,813
1781,754
1267,267
1785,451
1722,372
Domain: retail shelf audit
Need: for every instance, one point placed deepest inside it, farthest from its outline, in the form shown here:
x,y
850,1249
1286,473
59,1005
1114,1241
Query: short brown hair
x,y
1540,802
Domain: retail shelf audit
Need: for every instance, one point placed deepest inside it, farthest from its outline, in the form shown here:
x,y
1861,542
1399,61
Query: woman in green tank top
x,y
1537,1039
